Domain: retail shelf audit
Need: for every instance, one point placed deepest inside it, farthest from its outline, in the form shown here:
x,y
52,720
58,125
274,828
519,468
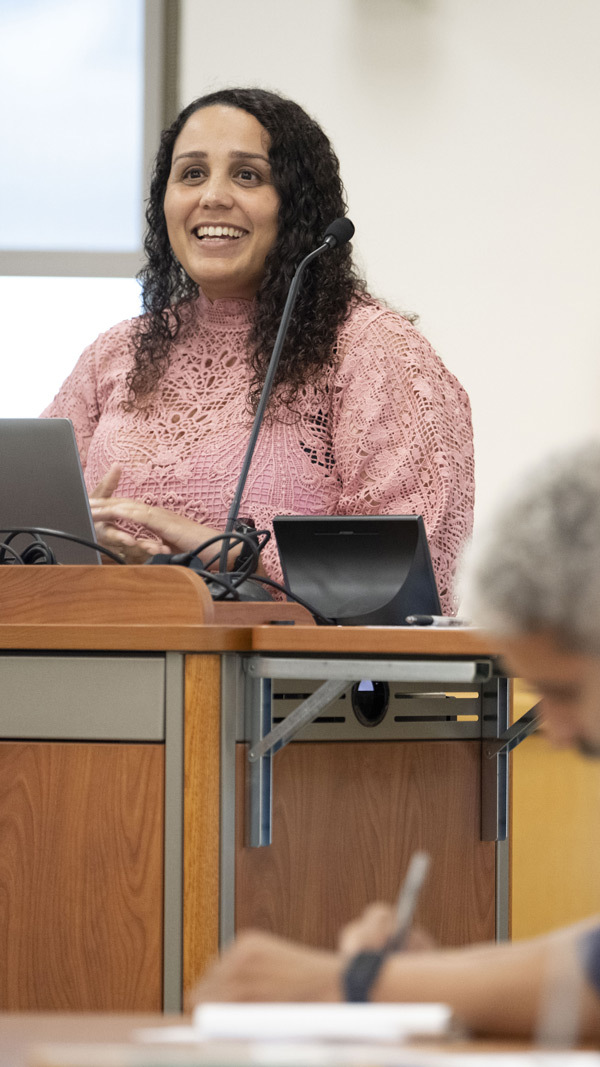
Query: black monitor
x,y
360,570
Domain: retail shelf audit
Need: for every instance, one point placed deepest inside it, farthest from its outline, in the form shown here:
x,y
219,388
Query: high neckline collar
x,y
227,310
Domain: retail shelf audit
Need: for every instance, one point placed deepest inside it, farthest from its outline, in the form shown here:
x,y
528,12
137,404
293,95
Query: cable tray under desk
x,y
422,700
410,715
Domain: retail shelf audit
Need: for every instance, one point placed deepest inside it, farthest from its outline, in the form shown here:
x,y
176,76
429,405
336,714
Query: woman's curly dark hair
x,y
305,173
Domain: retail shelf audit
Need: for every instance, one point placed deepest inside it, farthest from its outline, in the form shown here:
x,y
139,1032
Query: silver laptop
x,y
41,484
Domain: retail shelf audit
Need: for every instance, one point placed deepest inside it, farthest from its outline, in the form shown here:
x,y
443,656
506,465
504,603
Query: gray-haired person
x,y
534,582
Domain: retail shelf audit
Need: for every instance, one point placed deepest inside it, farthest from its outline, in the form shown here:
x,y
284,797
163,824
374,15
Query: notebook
x,y
360,570
41,484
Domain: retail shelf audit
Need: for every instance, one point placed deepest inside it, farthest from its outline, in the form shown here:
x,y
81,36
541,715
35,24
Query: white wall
x,y
468,136
47,323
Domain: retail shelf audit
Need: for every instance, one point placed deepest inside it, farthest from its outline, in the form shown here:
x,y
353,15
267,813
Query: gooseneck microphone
x,y
339,232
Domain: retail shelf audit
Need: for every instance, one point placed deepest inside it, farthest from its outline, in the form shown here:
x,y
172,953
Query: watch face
x,y
360,974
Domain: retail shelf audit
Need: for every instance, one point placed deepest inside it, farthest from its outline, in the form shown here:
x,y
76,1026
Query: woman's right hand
x,y
175,533
129,548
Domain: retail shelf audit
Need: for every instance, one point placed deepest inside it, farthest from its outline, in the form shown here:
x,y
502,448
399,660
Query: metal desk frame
x,y
248,684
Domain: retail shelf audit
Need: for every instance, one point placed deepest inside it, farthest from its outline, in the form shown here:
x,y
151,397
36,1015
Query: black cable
x,y
229,581
238,538
232,579
4,546
37,553
325,620
14,530
228,586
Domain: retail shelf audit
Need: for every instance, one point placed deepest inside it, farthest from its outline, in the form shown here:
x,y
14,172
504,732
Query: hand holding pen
x,y
363,969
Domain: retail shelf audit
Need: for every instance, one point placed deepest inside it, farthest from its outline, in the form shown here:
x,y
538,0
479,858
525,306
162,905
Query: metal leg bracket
x,y
265,741
494,772
259,774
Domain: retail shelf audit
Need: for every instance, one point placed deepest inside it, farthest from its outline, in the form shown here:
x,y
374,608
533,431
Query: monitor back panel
x,y
369,570
41,484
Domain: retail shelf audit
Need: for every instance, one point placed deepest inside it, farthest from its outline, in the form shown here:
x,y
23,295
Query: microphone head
x,y
339,232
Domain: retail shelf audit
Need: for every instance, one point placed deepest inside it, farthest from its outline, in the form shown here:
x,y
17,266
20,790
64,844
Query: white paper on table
x,y
534,1058
360,1055
321,1022
167,1035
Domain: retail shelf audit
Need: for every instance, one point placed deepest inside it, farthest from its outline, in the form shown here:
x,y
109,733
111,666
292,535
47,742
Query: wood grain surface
x,y
375,640
86,595
260,613
81,852
201,815
139,637
347,817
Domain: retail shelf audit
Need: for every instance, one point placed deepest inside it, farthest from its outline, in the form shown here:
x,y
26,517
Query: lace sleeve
x,y
403,438
83,395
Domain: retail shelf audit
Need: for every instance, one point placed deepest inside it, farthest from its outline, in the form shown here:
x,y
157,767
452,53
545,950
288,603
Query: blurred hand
x,y
374,927
369,932
262,967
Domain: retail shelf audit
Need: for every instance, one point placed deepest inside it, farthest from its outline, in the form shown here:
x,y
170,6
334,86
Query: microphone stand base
x,y
247,591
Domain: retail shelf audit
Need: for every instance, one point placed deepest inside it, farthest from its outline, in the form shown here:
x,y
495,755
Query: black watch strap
x,y
360,976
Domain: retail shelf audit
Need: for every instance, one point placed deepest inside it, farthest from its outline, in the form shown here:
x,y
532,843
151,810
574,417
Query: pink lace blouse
x,y
386,430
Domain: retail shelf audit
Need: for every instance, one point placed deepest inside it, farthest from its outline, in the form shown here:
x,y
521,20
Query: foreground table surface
x,y
21,1034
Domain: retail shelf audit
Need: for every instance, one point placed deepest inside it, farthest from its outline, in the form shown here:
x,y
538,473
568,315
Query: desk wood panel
x,y
151,637
97,595
81,854
201,815
346,818
419,641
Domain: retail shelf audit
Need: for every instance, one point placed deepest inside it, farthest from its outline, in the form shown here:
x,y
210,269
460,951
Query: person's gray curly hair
x,y
538,566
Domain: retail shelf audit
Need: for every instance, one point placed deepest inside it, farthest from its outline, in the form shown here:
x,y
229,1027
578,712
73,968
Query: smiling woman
x,y
364,417
221,207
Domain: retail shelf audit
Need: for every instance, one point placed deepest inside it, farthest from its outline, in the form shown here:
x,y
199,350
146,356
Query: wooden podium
x,y
128,703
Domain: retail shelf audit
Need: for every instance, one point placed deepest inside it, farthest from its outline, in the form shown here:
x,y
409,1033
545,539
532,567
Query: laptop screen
x,y
361,570
41,484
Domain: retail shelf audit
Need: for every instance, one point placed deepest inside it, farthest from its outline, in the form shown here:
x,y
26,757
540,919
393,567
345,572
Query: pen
x,y
435,620
407,900
361,973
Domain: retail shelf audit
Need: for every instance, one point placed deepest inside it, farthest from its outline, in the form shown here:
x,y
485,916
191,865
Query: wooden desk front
x,y
123,760
350,803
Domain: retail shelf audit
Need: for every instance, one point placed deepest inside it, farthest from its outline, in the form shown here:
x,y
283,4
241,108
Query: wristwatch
x,y
360,976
